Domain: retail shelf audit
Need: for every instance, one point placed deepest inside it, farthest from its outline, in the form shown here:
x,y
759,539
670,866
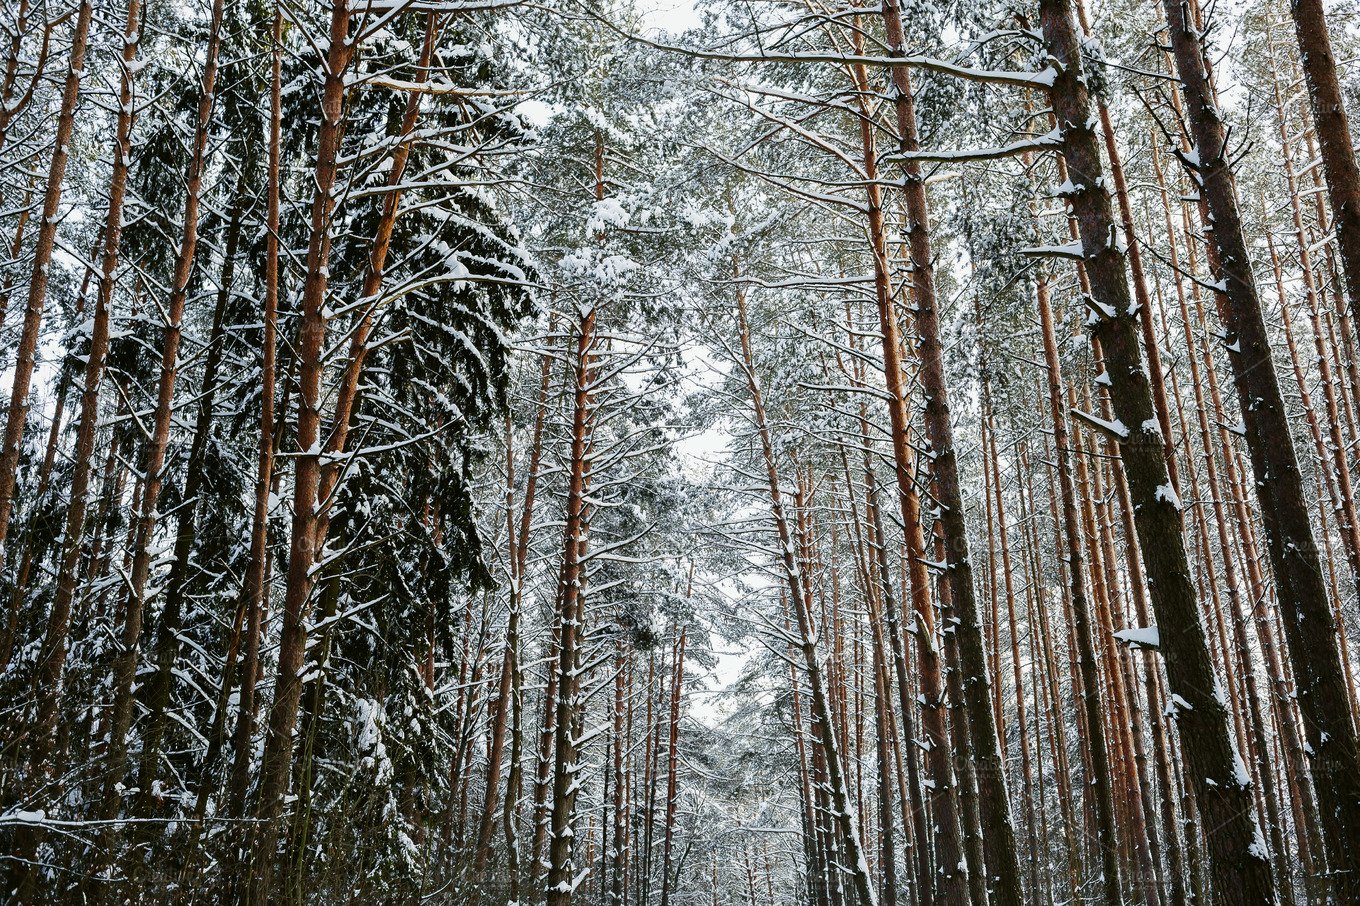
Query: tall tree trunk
x,y
1335,138
35,547
1333,464
125,660
1067,802
315,481
546,735
1156,376
1309,822
51,663
518,538
562,877
1082,626
915,803
1241,873
997,827
1017,668
618,851
15,418
278,752
951,870
347,395
159,687
912,799
883,754
254,590
1310,632
843,812
672,765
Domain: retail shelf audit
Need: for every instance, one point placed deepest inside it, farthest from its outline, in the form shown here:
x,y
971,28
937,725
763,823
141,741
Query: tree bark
x,y
1335,138
17,414
1021,716
1306,612
278,751
843,814
672,766
125,660
254,591
159,687
561,878
1241,873
951,871
518,538
997,826
1081,611
51,662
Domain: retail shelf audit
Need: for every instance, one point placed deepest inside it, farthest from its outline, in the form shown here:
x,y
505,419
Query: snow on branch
x,y
438,86
1116,429
1043,143
1070,250
1024,79
1142,637
428,6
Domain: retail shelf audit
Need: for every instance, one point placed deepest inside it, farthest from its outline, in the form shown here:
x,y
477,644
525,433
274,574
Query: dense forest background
x,y
762,453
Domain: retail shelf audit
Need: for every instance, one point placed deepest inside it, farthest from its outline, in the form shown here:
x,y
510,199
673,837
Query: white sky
x,y
673,16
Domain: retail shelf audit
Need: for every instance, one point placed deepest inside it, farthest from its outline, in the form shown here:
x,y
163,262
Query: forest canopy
x,y
654,453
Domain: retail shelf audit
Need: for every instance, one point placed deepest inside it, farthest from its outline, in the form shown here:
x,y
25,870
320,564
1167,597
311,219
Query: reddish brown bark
x,y
998,829
843,817
1226,806
52,659
1081,624
672,764
561,876
1017,672
1310,632
26,358
951,874
518,544
254,588
11,106
126,658
1335,138
278,752
157,690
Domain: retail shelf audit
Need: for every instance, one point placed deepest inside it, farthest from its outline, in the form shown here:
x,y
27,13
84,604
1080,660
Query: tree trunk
x,y
254,590
1021,716
672,765
518,539
12,444
1309,629
997,827
883,753
125,660
159,687
562,878
846,822
879,584
51,662
950,865
278,752
1241,873
1335,139
1082,627
11,106
618,852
